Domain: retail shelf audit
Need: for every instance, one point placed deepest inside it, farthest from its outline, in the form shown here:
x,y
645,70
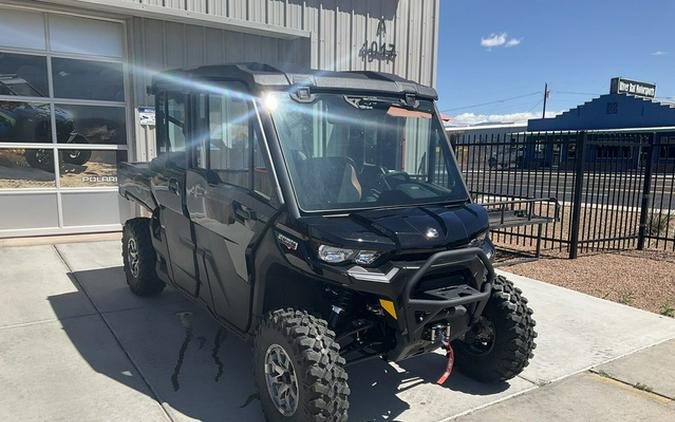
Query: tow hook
x,y
450,354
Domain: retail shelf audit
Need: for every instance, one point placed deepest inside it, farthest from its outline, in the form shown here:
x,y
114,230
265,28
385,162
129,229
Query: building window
x,y
539,149
88,80
25,122
91,125
63,119
23,75
614,152
572,150
667,151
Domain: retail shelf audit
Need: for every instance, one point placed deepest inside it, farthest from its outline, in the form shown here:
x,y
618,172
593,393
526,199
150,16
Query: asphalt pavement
x,y
613,189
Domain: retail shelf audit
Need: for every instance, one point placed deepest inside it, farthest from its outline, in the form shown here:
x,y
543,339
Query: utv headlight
x,y
482,241
479,239
335,255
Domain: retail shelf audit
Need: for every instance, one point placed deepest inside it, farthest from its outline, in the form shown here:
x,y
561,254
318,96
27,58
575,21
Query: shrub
x,y
667,310
658,224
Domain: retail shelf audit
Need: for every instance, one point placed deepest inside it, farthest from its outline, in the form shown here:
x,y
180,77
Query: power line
x,y
576,93
535,106
503,100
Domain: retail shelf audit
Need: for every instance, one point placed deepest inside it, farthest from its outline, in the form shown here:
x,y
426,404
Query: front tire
x,y
499,346
76,156
298,369
139,258
42,159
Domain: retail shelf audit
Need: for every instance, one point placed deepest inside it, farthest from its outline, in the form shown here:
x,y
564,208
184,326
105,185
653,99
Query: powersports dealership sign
x,y
626,86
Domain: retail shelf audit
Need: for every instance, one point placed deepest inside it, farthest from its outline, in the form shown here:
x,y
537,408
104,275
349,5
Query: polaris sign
x,y
626,86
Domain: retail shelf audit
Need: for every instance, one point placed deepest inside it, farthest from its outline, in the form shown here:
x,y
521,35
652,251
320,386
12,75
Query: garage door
x,y
63,122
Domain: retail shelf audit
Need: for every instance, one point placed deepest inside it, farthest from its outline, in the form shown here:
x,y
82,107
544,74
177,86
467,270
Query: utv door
x,y
229,198
168,185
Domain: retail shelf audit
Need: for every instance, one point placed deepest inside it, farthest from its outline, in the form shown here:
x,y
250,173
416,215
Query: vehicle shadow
x,y
183,359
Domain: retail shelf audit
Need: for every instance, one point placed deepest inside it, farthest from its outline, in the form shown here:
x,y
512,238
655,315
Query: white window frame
x,y
57,189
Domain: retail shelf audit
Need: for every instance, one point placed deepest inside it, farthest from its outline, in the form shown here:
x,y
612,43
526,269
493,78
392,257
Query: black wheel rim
x,y
42,157
281,379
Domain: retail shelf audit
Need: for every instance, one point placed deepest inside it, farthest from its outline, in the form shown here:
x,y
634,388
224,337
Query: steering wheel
x,y
385,176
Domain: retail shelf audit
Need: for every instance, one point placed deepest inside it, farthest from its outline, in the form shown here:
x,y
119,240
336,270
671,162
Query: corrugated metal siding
x,y
157,45
338,28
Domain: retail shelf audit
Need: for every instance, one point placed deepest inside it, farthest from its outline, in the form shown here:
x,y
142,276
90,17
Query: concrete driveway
x,y
75,344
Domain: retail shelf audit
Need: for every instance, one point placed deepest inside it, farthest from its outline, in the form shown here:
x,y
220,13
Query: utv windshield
x,y
349,152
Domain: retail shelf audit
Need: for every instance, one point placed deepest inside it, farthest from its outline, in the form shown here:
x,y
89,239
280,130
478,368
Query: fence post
x,y
646,193
578,190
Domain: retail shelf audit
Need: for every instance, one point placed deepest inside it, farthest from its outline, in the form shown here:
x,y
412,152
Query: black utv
x,y
26,122
322,216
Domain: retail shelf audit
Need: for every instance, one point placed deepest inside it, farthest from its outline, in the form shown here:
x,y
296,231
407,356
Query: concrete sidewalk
x,y
639,387
75,344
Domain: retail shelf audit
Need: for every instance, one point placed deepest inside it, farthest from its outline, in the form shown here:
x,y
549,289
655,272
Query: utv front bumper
x,y
428,299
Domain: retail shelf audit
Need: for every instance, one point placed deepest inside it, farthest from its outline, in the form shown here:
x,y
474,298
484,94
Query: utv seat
x,y
336,176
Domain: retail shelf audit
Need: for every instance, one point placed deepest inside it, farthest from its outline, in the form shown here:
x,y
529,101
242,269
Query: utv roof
x,y
260,77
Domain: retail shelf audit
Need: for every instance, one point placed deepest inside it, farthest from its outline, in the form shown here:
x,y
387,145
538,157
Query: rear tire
x,y
312,369
77,157
139,258
505,353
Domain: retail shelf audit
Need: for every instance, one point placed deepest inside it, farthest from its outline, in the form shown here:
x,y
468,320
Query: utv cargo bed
x,y
520,213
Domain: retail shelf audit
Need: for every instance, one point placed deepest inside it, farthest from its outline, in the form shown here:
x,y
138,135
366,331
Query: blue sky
x,y
491,50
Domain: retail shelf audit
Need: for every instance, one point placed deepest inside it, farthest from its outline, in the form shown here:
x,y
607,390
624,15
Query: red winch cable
x,y
451,362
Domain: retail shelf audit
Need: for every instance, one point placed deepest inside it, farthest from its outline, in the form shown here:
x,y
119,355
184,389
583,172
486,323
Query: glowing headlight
x,y
335,255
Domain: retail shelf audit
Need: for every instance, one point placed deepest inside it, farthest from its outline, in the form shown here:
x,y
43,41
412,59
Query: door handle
x,y
173,186
242,212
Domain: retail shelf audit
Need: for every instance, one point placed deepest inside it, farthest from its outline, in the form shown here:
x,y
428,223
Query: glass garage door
x,y
63,122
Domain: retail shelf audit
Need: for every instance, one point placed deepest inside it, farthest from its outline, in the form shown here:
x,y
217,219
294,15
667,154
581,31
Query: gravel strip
x,y
645,280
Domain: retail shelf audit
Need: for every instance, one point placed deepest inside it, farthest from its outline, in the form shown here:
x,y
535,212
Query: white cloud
x,y
659,53
499,40
472,119
494,40
513,42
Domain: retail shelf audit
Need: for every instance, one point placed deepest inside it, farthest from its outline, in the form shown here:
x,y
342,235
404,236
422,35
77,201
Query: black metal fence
x,y
616,189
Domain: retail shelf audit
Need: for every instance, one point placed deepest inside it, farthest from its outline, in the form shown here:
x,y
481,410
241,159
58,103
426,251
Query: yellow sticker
x,y
388,306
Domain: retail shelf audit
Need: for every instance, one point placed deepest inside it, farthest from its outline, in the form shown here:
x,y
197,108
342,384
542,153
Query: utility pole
x,y
546,94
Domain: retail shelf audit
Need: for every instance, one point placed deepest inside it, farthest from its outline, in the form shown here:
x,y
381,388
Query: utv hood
x,y
404,229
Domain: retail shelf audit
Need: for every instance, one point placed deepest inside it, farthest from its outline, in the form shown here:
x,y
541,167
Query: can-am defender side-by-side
x,y
323,217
